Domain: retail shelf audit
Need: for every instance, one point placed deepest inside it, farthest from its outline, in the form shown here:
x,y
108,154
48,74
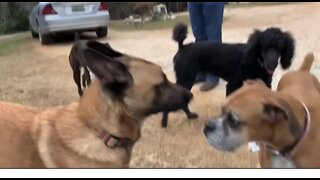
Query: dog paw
x,y
193,116
164,125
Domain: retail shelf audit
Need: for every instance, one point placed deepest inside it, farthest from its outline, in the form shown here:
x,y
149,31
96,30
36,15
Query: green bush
x,y
8,27
16,21
2,28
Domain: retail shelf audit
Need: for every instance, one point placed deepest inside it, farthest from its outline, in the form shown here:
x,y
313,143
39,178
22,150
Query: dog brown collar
x,y
290,150
114,142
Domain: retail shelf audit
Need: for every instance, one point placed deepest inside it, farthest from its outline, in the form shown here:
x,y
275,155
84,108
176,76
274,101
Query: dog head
x,y
140,86
253,113
271,45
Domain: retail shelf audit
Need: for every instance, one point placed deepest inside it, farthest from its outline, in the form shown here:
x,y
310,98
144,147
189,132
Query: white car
x,y
48,18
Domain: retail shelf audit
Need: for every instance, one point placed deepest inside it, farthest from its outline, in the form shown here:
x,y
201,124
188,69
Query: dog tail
x,y
180,33
76,37
307,62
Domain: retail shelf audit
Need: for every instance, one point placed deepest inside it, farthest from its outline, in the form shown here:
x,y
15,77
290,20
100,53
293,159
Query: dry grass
x,y
182,144
31,78
9,43
40,76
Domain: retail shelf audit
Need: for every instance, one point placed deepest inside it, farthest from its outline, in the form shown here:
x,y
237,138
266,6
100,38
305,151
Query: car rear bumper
x,y
54,24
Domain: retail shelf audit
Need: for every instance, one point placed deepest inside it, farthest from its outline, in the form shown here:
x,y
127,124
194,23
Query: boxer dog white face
x,y
226,132
248,115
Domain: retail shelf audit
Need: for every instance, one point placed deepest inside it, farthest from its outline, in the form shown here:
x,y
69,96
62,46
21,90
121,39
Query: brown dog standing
x,y
100,130
78,62
286,121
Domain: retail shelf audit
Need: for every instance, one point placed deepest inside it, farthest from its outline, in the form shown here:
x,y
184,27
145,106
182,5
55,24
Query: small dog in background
x,y
235,63
78,63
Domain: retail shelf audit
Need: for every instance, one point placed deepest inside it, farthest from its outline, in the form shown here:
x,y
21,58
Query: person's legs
x,y
213,19
198,28
197,21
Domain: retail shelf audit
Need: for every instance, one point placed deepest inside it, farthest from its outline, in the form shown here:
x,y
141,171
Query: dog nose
x,y
210,127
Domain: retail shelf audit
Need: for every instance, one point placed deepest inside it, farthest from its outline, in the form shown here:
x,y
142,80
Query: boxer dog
x,y
285,121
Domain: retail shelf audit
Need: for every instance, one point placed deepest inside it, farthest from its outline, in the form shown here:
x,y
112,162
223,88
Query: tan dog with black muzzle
x,y
286,122
100,130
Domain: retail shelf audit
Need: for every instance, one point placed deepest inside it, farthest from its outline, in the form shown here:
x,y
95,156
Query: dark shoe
x,y
207,86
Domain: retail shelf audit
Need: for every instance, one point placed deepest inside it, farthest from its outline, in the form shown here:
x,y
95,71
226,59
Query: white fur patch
x,y
278,161
253,147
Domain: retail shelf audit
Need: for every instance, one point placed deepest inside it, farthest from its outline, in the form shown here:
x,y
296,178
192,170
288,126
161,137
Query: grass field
x,y
9,44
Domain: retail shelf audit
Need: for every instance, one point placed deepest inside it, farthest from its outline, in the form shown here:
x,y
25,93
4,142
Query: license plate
x,y
78,8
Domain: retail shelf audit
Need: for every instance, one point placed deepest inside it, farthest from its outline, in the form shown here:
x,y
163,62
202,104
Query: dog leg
x,y
77,80
189,114
84,84
188,86
88,77
164,120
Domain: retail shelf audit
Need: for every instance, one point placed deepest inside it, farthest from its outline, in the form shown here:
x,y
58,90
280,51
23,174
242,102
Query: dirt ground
x,y
40,76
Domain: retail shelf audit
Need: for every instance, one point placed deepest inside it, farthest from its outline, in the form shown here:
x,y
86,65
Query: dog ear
x,y
254,41
288,51
273,112
113,74
276,110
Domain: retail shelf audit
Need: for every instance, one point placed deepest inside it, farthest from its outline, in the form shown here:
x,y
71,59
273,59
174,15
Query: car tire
x,y
45,39
102,32
34,34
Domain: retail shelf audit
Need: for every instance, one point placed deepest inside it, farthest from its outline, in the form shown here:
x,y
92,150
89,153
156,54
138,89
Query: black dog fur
x,y
235,63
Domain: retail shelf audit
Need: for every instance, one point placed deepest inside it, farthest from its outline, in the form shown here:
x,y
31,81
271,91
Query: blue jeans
x,y
206,21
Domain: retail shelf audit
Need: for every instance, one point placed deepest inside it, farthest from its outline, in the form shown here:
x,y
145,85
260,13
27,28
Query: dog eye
x,y
233,123
225,110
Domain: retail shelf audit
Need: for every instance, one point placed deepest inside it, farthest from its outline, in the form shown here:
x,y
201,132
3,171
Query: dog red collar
x,y
114,142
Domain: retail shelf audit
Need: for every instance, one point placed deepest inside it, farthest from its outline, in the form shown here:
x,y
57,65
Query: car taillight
x,y
103,6
48,10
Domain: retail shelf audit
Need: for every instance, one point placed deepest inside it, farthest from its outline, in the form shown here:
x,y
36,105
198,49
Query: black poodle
x,y
256,59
